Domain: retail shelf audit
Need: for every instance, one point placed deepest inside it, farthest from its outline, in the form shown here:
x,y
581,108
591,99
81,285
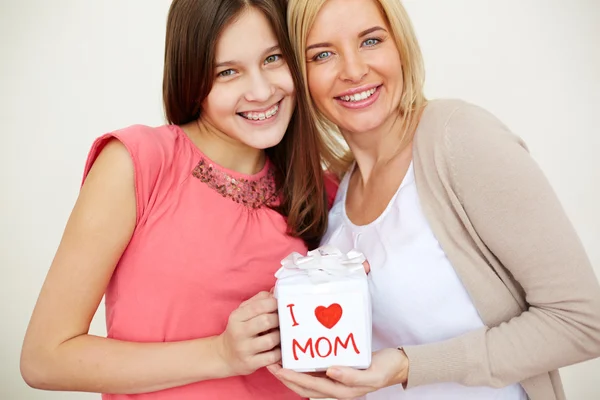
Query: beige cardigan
x,y
508,238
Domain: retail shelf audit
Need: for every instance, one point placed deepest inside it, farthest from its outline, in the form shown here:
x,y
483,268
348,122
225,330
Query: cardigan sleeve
x,y
517,215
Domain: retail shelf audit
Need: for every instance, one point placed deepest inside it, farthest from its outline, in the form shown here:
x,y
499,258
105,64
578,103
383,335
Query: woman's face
x,y
353,65
253,96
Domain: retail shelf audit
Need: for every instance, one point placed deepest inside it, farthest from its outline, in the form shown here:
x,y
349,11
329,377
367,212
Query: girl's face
x,y
253,96
353,65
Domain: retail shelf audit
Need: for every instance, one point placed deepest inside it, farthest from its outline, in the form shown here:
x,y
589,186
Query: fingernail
x,y
334,373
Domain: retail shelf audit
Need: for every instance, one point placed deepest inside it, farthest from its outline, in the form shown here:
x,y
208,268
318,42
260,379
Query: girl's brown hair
x,y
193,28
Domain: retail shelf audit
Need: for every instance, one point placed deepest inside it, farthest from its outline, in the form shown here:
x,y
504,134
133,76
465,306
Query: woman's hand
x,y
388,367
251,338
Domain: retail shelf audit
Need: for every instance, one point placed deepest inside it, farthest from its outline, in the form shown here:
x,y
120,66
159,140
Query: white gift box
x,y
324,310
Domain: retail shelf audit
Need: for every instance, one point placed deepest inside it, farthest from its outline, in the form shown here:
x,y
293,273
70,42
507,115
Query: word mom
x,y
322,346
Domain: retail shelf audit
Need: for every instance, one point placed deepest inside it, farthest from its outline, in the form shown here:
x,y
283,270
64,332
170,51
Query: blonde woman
x,y
481,288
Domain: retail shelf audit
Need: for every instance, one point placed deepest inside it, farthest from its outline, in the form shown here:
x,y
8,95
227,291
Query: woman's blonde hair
x,y
301,15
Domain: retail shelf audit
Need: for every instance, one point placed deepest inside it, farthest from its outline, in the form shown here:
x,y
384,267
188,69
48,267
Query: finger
x,y
265,342
262,324
367,266
302,391
274,368
267,358
321,385
258,296
351,377
256,307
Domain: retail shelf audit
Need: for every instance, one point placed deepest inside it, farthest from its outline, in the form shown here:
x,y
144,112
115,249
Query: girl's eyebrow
x,y
234,62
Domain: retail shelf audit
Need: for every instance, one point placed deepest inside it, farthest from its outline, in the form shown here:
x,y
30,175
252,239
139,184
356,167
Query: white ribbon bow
x,y
324,264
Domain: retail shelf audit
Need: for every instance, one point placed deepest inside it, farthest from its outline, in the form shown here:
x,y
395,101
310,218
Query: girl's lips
x,y
262,110
265,121
361,104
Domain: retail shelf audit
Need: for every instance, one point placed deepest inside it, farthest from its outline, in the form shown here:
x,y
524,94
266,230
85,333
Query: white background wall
x,y
71,70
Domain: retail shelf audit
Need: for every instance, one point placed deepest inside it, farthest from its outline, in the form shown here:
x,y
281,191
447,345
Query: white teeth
x,y
254,116
359,96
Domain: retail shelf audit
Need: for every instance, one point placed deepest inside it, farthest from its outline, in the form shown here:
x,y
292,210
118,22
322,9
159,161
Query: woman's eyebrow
x,y
317,45
361,34
371,30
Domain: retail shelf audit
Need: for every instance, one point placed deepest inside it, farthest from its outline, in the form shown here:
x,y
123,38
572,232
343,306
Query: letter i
x,y
291,307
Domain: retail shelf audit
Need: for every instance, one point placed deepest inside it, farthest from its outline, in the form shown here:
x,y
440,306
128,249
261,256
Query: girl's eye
x,y
273,58
227,72
322,55
371,42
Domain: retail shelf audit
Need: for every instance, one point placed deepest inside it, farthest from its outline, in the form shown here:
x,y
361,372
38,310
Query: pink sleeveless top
x,y
204,242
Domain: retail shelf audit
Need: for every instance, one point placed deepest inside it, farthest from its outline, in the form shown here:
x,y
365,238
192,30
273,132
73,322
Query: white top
x,y
417,296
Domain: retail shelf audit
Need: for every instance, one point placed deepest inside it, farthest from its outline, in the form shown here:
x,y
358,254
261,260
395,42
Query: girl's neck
x,y
224,150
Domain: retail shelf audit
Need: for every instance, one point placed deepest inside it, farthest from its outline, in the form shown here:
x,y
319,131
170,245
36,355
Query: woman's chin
x,y
360,125
354,122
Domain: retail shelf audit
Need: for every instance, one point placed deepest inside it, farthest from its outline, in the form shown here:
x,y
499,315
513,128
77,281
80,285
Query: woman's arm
x,y
59,354
518,217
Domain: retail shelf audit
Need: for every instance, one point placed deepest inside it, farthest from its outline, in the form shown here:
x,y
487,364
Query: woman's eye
x,y
322,55
273,58
227,72
371,42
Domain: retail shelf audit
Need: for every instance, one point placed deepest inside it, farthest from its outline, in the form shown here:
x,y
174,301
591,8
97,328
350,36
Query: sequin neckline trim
x,y
252,193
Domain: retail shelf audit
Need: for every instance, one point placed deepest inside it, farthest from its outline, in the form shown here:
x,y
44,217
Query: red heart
x,y
329,316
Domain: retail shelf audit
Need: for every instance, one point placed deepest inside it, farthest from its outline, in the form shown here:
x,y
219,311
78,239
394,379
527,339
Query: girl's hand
x,y
388,367
251,338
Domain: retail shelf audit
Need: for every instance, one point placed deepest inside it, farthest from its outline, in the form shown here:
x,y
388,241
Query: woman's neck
x,y
224,150
375,149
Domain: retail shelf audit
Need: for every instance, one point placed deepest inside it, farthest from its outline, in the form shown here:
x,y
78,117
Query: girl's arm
x,y
59,354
